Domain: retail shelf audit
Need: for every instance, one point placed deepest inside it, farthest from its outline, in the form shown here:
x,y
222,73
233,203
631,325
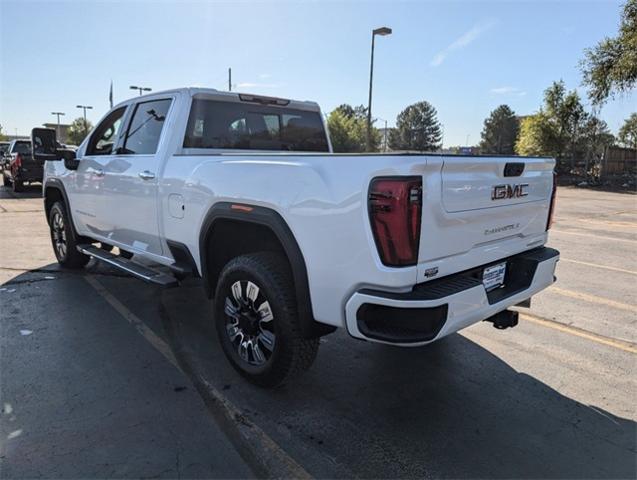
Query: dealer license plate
x,y
493,276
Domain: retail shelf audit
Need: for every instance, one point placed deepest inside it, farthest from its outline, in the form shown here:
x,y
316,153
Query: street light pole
x,y
85,108
141,89
384,134
57,131
382,32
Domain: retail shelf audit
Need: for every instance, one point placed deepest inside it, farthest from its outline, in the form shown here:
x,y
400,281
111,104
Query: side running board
x,y
128,266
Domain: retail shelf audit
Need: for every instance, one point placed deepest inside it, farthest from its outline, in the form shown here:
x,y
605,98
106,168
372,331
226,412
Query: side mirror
x,y
44,144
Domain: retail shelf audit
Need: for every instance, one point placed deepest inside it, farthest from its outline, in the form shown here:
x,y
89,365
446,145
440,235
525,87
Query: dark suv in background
x,y
18,166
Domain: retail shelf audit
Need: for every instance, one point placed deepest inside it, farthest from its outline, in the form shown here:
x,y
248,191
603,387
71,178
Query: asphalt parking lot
x,y
102,375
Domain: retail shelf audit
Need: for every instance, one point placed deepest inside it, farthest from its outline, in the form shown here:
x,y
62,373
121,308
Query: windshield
x,y
230,125
21,147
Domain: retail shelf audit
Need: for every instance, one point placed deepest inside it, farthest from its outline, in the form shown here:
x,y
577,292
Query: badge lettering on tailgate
x,y
501,192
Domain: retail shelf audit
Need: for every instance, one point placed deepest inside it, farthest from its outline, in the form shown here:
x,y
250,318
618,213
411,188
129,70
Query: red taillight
x,y
18,160
549,221
395,208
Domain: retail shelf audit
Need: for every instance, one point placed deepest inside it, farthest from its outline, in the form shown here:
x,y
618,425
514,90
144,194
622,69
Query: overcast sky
x,y
464,57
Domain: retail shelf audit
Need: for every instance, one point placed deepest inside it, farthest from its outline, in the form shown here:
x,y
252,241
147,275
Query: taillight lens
x,y
395,210
18,160
549,221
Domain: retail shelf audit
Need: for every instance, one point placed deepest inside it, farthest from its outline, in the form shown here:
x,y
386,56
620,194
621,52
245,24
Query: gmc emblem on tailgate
x,y
500,192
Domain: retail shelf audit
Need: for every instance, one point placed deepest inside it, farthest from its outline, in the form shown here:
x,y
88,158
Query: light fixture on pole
x,y
141,89
382,31
85,108
58,114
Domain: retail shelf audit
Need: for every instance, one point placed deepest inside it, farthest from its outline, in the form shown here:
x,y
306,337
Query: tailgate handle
x,y
513,169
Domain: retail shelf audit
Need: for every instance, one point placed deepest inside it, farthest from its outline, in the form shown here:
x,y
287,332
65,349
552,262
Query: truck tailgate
x,y
479,209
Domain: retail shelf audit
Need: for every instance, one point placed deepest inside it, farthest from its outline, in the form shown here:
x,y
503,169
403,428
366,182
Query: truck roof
x,y
230,96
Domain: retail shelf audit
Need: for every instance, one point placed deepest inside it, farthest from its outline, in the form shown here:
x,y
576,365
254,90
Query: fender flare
x,y
57,184
267,217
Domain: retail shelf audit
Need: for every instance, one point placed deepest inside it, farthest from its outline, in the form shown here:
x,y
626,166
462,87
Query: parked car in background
x,y
19,166
4,148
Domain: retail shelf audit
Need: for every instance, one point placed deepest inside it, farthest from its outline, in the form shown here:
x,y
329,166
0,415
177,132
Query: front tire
x,y
5,181
257,321
63,238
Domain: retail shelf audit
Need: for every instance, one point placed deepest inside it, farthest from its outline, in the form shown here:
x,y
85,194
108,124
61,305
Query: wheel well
x,y
51,195
231,238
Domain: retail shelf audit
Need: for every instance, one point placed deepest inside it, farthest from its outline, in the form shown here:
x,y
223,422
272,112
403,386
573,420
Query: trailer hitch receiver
x,y
504,319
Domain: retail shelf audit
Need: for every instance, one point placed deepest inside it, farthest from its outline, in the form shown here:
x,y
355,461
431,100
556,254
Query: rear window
x,y
21,147
245,126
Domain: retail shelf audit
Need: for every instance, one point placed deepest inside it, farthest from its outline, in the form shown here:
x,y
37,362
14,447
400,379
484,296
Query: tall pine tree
x,y
417,128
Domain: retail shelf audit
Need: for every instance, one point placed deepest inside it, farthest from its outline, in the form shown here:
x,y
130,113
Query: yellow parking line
x,y
612,223
590,235
150,336
596,265
594,299
578,332
253,433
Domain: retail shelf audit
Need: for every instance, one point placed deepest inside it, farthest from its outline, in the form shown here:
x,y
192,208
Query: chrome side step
x,y
128,266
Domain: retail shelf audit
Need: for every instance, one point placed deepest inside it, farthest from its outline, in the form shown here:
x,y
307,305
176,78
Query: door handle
x,y
146,175
98,172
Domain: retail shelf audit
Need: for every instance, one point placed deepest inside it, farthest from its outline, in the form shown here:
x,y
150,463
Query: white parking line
x,y
605,267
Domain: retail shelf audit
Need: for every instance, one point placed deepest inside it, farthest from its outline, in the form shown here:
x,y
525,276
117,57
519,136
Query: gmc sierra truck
x,y
290,239
19,166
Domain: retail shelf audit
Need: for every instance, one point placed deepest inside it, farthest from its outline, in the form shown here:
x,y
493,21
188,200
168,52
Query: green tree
x,y
611,66
535,136
2,135
348,129
78,130
594,138
556,129
628,132
417,128
500,131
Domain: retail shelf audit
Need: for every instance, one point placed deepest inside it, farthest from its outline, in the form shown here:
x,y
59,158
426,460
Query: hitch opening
x,y
504,319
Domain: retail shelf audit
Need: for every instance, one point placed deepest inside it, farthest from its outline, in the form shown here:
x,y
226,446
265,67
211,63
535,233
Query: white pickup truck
x,y
290,239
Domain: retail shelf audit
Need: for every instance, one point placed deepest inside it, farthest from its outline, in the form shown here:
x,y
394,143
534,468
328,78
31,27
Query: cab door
x,y
129,193
84,184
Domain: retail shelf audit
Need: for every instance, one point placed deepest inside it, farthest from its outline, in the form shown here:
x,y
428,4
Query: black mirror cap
x,y
44,144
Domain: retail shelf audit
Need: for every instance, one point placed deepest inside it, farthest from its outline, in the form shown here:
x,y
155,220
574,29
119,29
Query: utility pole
x,y
57,131
85,108
382,32
230,79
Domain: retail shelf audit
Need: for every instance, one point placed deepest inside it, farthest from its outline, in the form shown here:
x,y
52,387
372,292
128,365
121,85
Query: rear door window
x,y
145,127
245,126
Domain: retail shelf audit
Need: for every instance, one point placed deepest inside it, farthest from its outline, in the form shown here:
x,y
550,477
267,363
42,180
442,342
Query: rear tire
x,y
257,321
18,186
63,238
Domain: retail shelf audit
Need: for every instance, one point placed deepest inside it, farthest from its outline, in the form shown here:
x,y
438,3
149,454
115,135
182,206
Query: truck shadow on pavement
x,y
450,410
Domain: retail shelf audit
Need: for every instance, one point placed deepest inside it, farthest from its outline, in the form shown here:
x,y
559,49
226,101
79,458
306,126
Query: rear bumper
x,y
437,308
